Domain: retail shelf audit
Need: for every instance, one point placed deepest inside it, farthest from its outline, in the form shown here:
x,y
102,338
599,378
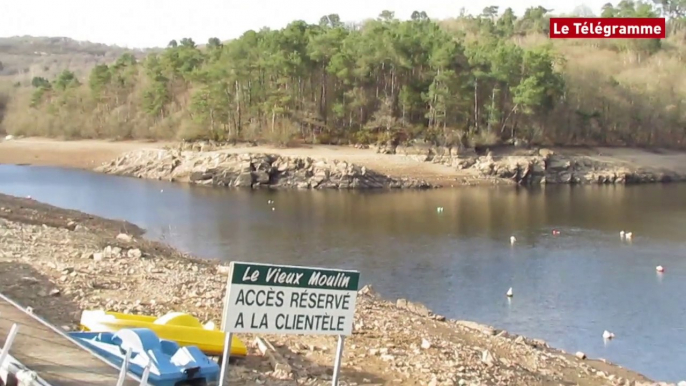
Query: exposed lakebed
x,y
567,288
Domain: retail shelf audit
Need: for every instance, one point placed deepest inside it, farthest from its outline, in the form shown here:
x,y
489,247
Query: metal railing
x,y
13,372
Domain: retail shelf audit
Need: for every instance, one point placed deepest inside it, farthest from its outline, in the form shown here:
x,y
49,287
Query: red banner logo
x,y
606,28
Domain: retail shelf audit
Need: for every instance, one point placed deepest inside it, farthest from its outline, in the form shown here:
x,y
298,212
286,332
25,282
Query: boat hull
x,y
181,328
169,363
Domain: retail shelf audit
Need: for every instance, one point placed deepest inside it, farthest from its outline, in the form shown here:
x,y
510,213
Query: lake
x,y
568,288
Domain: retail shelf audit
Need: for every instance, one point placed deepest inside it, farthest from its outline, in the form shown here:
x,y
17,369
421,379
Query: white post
x,y
224,366
339,359
225,312
146,374
224,374
124,368
8,343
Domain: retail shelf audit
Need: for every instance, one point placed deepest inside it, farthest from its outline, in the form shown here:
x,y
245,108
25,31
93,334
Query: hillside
x,y
25,57
473,80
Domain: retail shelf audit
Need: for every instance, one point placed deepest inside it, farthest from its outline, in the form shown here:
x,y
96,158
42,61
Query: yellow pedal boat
x,y
184,329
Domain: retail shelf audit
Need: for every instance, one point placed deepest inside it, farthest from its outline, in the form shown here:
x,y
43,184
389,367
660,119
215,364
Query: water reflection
x,y
472,211
568,288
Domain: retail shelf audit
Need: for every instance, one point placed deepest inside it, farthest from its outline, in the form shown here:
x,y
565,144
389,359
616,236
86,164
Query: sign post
x,y
228,338
339,359
224,373
283,299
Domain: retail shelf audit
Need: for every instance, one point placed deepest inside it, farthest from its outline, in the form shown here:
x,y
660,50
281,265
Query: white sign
x,y
276,299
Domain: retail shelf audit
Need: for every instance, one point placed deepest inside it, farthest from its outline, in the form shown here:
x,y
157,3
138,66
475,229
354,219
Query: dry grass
x,y
636,98
4,102
484,138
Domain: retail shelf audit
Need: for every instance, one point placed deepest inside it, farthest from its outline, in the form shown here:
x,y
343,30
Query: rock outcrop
x,y
218,168
540,166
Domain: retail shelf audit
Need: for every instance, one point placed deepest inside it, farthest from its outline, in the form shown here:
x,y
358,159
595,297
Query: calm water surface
x,y
568,288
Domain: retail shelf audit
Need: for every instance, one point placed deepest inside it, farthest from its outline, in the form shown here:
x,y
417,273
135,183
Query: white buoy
x,y
273,208
161,190
660,268
270,201
509,293
628,235
513,240
439,209
608,335
621,235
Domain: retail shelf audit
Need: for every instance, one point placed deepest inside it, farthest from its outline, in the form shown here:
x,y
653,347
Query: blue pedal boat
x,y
170,364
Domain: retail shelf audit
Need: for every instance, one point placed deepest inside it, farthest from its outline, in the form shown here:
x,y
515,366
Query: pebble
x,y
124,237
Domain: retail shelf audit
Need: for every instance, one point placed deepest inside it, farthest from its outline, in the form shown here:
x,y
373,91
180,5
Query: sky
x,y
149,23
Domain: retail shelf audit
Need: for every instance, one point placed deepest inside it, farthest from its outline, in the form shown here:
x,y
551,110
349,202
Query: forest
x,y
471,80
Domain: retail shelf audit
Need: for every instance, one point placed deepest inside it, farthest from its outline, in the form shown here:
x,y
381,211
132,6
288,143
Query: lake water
x,y
568,288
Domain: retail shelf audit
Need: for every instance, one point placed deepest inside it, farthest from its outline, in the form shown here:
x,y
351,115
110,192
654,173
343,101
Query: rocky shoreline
x,y
213,166
252,171
61,262
537,166
417,165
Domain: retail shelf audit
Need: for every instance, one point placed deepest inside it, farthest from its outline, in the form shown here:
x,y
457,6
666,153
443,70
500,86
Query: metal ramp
x,y
51,354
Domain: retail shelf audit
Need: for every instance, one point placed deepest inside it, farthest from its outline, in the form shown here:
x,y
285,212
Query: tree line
x,y
467,81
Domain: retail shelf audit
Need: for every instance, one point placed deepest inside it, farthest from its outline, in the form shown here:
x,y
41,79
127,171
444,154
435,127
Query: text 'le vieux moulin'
x,y
276,276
